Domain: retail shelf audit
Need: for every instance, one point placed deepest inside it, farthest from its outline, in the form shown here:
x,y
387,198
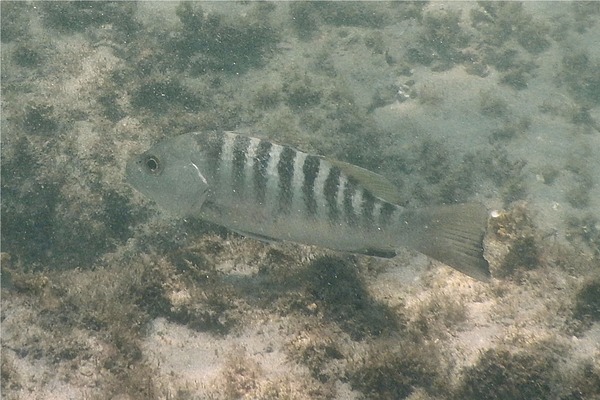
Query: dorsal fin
x,y
379,185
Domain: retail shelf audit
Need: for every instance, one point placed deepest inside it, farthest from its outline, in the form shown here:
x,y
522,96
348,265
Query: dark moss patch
x,y
213,43
307,17
112,111
15,20
587,229
534,37
515,70
429,174
550,173
39,119
525,249
493,106
501,374
392,370
212,303
10,377
579,194
118,216
518,75
375,41
161,95
213,314
511,129
495,21
304,19
384,95
586,382
442,41
500,21
523,255
317,352
437,315
267,96
502,59
437,160
506,173
585,14
300,91
27,55
46,226
351,13
442,32
587,301
27,208
77,16
582,77
419,55
74,310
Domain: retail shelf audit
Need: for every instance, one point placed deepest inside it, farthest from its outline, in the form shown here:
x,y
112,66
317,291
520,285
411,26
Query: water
x,y
453,102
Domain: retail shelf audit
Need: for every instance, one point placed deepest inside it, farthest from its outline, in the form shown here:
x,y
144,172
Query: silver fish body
x,y
266,190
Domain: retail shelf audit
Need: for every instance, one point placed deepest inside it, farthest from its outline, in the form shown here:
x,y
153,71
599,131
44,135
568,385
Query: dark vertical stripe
x,y
330,190
213,143
385,214
261,162
311,170
285,170
368,206
240,147
349,211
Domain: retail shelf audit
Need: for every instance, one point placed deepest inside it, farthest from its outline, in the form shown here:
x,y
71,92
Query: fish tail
x,y
452,234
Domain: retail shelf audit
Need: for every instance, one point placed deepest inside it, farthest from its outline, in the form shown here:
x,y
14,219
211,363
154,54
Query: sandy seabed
x,y
103,296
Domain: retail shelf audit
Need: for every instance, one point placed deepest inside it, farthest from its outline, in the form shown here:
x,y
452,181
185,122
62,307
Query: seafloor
x,y
105,297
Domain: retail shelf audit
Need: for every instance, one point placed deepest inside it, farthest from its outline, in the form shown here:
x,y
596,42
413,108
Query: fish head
x,y
171,174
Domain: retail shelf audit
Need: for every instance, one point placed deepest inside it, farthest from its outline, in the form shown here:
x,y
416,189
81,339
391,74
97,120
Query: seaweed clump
x,y
78,16
39,119
15,20
162,95
582,77
28,55
502,23
502,374
351,14
212,43
393,370
587,303
586,229
441,41
40,227
514,233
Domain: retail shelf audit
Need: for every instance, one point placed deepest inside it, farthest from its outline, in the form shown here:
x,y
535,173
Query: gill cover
x,y
170,173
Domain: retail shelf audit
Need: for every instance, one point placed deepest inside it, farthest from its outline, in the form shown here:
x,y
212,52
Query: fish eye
x,y
152,165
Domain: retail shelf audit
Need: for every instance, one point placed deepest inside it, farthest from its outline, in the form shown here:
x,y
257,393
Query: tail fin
x,y
451,234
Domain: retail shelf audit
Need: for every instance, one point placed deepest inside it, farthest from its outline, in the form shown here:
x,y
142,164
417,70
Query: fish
x,y
276,192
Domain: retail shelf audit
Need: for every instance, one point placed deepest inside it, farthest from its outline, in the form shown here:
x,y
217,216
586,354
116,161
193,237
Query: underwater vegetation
x,y
69,17
514,229
580,75
586,228
211,42
87,269
587,305
503,374
500,25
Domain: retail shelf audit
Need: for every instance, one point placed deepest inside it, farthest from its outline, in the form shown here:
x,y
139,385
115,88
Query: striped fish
x,y
275,192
